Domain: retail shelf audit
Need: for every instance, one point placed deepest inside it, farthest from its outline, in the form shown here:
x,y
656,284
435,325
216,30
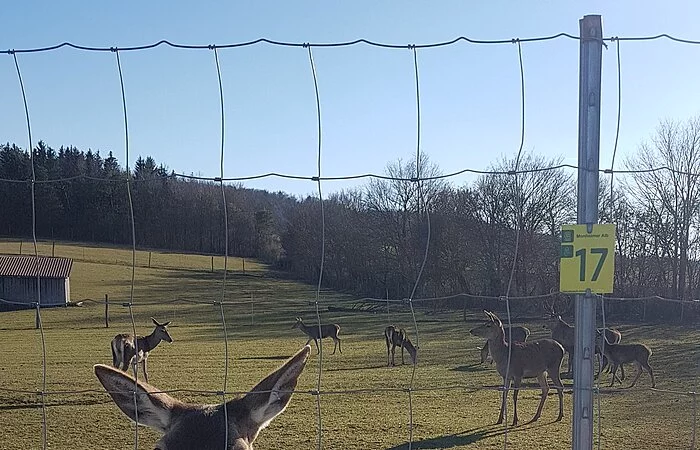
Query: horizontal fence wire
x,y
408,303
316,178
464,39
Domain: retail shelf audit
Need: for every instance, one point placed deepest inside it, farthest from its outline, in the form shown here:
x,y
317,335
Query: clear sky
x,y
470,94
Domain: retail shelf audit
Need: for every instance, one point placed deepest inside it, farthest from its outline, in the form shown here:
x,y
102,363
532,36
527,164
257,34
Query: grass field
x,y
260,337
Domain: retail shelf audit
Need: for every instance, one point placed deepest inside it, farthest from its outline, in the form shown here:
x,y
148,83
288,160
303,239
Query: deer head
x,y
161,331
189,426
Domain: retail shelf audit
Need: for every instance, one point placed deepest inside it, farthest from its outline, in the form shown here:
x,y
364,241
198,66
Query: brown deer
x,y
124,347
532,359
563,333
204,427
328,330
517,333
397,337
612,336
618,354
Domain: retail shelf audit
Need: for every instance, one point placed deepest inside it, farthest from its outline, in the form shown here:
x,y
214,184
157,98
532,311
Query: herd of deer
x,y
192,426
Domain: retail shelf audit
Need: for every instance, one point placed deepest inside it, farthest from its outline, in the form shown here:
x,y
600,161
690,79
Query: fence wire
x,y
318,179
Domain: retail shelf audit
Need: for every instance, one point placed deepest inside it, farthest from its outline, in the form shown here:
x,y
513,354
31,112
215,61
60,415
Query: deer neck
x,y
498,345
149,342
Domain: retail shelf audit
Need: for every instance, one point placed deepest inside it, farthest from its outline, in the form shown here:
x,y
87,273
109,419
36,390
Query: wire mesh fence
x,y
411,390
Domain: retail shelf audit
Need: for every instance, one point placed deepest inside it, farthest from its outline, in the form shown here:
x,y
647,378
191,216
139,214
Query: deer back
x,y
625,353
528,359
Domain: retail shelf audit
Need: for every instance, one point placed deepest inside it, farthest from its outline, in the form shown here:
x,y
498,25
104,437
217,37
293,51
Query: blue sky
x,y
470,94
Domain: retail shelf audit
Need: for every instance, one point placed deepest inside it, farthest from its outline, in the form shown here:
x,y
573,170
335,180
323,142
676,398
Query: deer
x,y
125,346
397,337
618,354
517,333
612,336
328,330
534,359
187,426
563,333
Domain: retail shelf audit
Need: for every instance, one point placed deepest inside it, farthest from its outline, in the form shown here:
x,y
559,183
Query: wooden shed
x,y
18,281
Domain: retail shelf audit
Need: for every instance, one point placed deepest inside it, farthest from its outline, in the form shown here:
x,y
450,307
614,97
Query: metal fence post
x,y
591,53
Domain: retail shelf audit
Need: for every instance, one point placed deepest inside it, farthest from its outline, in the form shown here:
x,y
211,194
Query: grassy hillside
x,y
451,408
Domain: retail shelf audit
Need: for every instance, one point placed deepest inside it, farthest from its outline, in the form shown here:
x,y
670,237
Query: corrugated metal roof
x,y
25,266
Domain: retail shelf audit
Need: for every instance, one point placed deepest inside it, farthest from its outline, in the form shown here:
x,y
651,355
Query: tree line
x,y
376,235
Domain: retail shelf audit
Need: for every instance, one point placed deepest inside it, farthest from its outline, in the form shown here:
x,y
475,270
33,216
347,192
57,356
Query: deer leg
x,y
542,379
388,361
402,363
516,390
393,351
335,346
560,391
504,399
145,372
622,369
651,373
613,370
639,373
339,349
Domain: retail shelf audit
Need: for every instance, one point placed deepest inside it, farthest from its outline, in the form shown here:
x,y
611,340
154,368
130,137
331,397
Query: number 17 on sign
x,y
587,258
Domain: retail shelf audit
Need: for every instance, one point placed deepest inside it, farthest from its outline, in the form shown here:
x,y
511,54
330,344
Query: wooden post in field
x,y
37,318
106,311
53,248
243,259
212,263
149,259
252,309
20,247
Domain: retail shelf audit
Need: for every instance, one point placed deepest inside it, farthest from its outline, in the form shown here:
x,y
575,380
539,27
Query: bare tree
x,y
670,198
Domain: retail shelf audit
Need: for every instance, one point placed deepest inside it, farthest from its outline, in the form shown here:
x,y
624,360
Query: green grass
x,y
261,338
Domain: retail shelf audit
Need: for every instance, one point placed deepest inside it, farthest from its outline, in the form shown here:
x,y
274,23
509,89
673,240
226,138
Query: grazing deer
x,y
397,337
619,354
124,348
517,333
328,330
205,427
527,360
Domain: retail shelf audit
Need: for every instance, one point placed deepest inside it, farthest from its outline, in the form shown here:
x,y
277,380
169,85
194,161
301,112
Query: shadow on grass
x,y
277,357
476,367
341,369
468,436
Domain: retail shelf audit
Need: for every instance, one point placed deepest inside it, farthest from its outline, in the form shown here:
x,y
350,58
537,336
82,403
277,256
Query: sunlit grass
x,y
449,408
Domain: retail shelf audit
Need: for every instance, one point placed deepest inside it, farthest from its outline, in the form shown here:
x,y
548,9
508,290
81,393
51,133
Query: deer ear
x,y
488,314
152,408
272,395
155,322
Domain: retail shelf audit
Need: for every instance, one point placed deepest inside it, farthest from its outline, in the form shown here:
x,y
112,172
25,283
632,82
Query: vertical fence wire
x,y
319,442
225,211
133,247
39,322
611,204
695,420
427,247
518,227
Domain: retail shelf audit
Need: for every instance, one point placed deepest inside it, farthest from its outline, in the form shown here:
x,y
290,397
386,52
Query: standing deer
x,y
328,330
124,348
527,360
517,333
205,427
397,337
618,354
563,333
612,336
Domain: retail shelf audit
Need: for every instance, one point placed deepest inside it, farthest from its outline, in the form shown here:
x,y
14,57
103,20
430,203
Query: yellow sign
x,y
587,260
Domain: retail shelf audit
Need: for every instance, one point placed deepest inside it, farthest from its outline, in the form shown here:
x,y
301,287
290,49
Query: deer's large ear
x,y
271,396
489,315
155,322
153,408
